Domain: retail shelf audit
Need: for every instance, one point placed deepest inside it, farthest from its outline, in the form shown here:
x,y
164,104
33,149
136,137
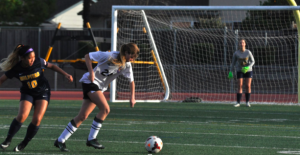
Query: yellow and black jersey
x,y
32,78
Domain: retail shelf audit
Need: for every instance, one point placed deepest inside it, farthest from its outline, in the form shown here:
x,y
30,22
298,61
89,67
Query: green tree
x,y
37,11
9,10
30,12
265,20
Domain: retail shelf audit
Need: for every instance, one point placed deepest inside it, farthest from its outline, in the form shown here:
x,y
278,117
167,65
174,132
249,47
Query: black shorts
x,y
242,75
32,98
87,88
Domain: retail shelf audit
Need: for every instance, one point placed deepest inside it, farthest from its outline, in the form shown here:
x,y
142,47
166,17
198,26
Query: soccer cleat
x,y
5,145
248,104
61,146
237,105
20,147
94,143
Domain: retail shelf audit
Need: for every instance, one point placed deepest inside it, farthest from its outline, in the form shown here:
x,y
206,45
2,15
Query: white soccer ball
x,y
153,144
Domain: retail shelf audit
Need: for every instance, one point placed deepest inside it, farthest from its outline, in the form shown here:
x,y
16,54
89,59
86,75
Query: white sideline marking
x,y
213,111
134,142
212,123
28,153
289,152
193,133
212,117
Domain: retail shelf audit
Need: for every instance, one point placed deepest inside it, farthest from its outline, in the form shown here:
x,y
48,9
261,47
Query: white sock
x,y
94,130
67,133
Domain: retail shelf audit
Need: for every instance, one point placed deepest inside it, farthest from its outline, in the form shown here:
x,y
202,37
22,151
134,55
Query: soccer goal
x,y
186,52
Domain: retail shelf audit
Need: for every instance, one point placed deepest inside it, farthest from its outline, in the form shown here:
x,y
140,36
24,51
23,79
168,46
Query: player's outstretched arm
x,y
132,97
3,78
59,70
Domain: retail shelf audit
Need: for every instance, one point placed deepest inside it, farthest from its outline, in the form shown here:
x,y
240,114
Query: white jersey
x,y
105,71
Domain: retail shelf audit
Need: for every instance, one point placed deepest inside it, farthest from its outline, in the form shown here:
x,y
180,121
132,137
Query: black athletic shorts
x,y
87,88
242,75
32,98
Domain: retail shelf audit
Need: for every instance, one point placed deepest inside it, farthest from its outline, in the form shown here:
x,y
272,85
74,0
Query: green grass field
x,y
185,128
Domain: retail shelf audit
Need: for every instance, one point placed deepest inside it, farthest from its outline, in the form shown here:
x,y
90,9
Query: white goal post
x,y
186,52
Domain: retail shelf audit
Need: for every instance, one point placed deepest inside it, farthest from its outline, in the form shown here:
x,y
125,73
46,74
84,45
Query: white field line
x,y
175,144
204,123
289,152
28,153
151,131
180,116
199,110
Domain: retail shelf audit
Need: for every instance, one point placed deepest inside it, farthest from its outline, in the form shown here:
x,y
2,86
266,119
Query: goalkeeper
x,y
243,61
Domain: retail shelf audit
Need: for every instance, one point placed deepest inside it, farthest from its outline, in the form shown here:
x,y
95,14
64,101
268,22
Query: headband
x,y
28,51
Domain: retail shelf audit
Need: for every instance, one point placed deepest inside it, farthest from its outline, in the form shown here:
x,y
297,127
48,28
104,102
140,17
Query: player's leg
x,y
85,110
99,99
248,89
40,107
24,110
239,88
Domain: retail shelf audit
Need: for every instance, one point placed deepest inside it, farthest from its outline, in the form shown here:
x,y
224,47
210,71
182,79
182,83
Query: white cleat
x,y
248,104
237,105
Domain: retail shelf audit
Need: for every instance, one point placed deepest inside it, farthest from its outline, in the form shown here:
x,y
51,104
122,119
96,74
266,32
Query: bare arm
x,y
89,66
3,78
132,96
59,70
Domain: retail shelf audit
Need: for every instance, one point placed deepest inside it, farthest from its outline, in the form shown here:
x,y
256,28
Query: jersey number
x,y
105,73
32,84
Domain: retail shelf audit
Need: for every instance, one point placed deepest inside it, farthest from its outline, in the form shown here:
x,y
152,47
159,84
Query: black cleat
x,y
4,145
61,146
94,143
20,147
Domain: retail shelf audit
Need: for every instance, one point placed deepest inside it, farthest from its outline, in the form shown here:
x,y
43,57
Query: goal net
x,y
186,52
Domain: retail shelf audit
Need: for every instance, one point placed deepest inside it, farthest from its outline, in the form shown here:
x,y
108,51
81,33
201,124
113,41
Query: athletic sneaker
x,y
20,147
248,104
237,105
61,146
94,143
5,144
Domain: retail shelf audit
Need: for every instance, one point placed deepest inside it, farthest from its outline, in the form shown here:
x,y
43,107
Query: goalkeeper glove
x,y
230,76
245,69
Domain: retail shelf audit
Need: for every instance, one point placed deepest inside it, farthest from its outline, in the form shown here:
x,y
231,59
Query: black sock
x,y
13,129
98,120
31,131
247,97
73,123
238,97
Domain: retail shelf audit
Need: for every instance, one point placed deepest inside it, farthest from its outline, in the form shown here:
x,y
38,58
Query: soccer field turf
x,y
185,128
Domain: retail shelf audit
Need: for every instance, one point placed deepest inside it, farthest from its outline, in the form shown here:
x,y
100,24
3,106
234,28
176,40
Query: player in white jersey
x,y
94,83
243,61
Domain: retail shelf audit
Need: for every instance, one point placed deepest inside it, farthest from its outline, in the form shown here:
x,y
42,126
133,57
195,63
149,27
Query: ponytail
x,y
12,59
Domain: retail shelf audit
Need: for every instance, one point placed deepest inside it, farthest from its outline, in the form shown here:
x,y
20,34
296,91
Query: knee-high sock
x,y
13,129
31,132
238,97
67,133
96,125
247,96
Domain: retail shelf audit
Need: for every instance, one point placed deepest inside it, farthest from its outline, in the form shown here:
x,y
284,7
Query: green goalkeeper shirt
x,y
242,59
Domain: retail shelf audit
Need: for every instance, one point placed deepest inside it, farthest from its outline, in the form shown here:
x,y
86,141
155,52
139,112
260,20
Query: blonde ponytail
x,y
12,59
